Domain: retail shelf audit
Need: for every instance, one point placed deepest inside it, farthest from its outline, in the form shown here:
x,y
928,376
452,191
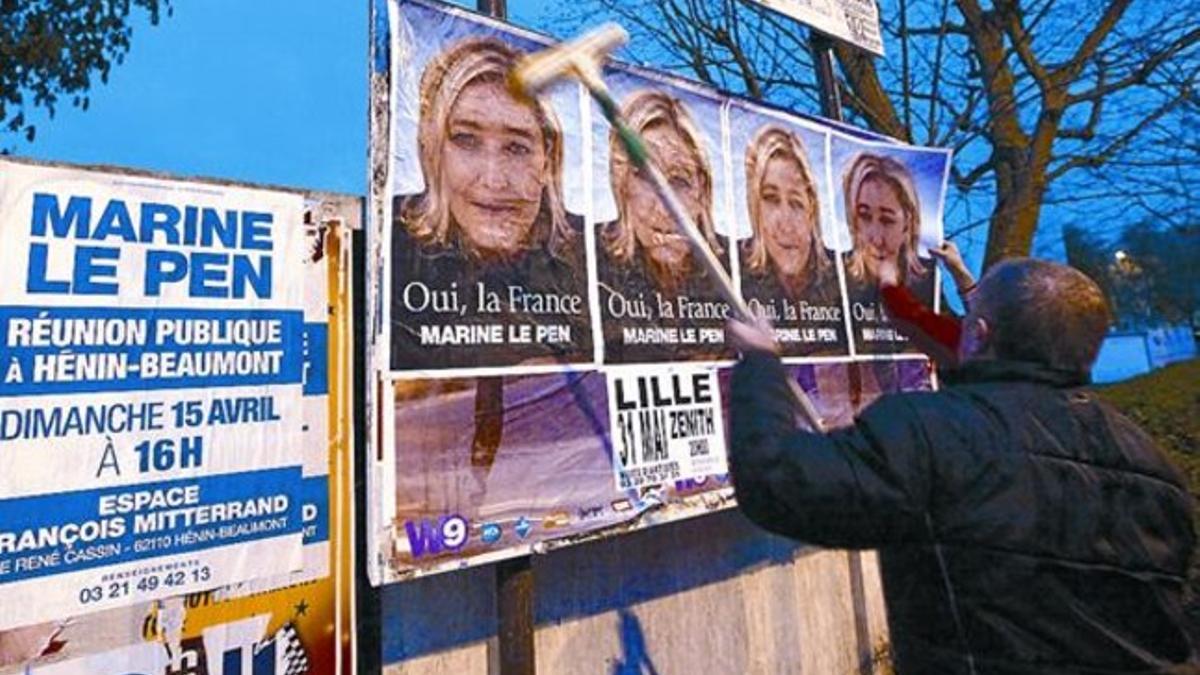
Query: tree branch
x,y
872,99
1021,43
1117,144
1094,39
1142,73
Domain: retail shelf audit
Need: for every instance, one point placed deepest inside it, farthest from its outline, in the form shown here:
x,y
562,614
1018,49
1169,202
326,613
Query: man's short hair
x,y
1043,312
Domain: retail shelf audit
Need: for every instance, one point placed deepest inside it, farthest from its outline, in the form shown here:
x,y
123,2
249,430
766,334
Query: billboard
x,y
174,424
548,362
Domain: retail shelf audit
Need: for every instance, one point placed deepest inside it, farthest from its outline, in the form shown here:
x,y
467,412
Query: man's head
x,y
1039,311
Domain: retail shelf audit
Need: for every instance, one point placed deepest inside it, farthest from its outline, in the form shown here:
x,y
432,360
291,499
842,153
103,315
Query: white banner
x,y
151,362
854,21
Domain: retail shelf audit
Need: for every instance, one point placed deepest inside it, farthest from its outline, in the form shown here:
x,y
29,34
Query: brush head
x,y
584,54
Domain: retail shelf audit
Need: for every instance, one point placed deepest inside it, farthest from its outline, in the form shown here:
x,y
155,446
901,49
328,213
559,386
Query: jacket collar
x,y
998,370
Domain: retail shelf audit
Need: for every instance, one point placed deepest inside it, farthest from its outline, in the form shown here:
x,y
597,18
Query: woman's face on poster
x,y
656,233
880,225
786,214
494,168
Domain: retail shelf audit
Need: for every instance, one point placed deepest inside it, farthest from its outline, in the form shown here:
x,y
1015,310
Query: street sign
x,y
853,21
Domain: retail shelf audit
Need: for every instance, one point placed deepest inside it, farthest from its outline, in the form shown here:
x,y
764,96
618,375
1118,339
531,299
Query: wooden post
x,y
514,604
494,8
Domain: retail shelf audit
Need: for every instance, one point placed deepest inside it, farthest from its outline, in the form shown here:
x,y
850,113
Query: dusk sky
x,y
268,92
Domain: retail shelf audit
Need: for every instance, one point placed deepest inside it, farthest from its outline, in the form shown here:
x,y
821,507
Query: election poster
x,y
526,395
487,264
889,212
152,347
783,218
268,618
656,301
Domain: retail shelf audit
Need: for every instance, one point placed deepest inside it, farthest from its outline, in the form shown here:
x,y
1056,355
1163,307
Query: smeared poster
x,y
657,304
527,286
294,622
152,340
889,212
488,265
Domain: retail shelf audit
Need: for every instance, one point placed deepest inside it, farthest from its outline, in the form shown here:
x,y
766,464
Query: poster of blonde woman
x,y
787,268
496,219
487,263
488,269
657,303
889,210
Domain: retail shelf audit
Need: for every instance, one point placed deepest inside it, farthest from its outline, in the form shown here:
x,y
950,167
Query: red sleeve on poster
x,y
922,324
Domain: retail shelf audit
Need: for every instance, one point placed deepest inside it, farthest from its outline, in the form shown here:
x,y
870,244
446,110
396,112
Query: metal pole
x,y
822,51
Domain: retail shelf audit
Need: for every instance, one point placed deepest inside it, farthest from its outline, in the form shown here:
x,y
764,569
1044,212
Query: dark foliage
x,y
52,50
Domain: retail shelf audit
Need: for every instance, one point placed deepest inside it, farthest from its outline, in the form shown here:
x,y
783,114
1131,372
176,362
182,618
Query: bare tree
x,y
1031,94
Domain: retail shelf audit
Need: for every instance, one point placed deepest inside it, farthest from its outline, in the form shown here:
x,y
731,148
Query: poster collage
x,y
547,358
551,354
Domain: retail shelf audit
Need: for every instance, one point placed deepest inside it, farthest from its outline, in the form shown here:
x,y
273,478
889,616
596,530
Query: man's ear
x,y
976,338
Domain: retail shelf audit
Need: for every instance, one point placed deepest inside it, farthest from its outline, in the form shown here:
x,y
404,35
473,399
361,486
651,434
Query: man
x,y
1023,525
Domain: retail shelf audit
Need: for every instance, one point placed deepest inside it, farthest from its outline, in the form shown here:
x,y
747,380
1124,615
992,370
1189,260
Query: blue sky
x,y
265,91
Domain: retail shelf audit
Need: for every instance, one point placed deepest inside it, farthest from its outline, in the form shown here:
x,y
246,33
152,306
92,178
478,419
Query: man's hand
x,y
947,254
758,336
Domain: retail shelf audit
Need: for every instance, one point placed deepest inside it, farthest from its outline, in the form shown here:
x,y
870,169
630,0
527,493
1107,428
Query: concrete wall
x,y
709,595
1122,356
1126,355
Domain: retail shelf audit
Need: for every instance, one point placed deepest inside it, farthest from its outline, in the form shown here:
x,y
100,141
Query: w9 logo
x,y
448,533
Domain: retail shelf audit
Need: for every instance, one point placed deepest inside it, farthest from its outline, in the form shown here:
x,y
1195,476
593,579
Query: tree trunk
x,y
870,98
1022,168
1020,186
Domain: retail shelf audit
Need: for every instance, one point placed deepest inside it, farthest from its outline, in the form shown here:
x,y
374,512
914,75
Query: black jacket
x,y
1023,525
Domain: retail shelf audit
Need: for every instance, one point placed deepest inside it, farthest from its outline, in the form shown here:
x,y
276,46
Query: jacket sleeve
x,y
862,487
935,334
